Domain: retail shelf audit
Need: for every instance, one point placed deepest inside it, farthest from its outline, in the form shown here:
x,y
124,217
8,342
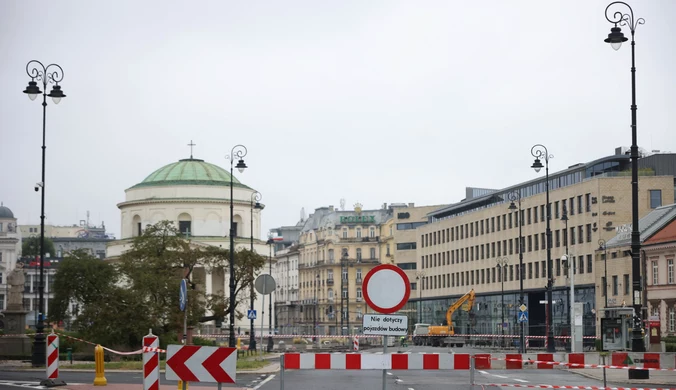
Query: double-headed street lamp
x,y
602,247
238,152
255,197
615,38
516,197
540,152
502,267
50,74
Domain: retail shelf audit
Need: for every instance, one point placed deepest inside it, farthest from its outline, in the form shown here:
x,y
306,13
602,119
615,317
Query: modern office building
x,y
458,249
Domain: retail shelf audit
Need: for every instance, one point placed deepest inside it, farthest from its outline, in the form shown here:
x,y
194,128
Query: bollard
x,y
99,378
52,356
471,371
151,363
605,384
182,385
69,354
281,372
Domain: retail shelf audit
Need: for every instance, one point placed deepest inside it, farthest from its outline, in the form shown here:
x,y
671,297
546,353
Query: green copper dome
x,y
189,172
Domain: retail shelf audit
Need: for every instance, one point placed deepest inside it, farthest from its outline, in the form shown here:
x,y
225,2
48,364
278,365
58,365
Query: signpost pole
x,y
384,370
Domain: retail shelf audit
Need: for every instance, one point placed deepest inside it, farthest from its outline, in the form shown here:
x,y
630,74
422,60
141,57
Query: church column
x,y
208,276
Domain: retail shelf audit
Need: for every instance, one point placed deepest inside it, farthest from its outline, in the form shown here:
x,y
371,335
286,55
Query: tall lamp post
x,y
516,197
50,74
238,152
602,247
570,261
255,204
502,266
270,242
419,275
314,311
615,38
343,267
540,151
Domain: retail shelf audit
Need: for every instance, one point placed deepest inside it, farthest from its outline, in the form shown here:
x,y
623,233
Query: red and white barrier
x,y
52,356
151,362
394,361
355,344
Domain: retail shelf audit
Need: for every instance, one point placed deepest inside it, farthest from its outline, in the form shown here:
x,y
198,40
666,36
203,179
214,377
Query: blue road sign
x,y
251,314
183,295
523,316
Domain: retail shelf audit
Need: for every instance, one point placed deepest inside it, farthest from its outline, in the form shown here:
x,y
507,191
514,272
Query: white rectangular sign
x,y
385,325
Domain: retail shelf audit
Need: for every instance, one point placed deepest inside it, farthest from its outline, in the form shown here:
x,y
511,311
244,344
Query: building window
x,y
590,263
655,199
626,284
345,233
331,256
373,253
358,232
604,291
372,232
344,292
670,271
672,320
406,246
655,273
359,292
344,274
615,286
358,254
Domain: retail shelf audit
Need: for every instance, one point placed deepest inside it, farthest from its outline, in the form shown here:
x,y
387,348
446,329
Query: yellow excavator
x,y
441,335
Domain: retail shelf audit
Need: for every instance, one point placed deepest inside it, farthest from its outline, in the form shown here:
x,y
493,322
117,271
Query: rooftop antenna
x,y
302,214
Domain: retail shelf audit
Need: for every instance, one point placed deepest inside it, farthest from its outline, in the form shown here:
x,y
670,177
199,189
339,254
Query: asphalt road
x,y
30,379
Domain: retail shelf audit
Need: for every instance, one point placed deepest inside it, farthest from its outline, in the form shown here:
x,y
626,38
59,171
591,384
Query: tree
x,y
121,301
31,246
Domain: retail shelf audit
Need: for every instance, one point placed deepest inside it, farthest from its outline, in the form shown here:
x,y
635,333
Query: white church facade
x,y
195,195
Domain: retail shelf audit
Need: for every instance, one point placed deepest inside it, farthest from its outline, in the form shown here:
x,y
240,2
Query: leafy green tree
x,y
30,246
120,301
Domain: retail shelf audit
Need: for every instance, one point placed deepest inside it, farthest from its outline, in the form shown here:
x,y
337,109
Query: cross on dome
x,y
191,145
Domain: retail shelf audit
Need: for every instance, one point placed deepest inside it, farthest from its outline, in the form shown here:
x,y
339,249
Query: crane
x,y
440,332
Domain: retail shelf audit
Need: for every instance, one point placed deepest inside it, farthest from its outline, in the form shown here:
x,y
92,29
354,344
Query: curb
x,y
88,370
629,381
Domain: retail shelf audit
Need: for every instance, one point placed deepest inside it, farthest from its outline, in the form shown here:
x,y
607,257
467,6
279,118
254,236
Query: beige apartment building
x,y
336,249
458,249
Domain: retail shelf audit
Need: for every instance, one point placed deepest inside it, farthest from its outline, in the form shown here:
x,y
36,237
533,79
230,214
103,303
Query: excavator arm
x,y
468,297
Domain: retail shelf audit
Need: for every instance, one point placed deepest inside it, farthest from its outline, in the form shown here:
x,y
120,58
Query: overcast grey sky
x,y
371,101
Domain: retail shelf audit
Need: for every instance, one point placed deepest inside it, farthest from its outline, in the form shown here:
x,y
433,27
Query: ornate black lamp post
x,y
516,197
602,247
615,38
255,197
50,74
502,267
238,152
540,151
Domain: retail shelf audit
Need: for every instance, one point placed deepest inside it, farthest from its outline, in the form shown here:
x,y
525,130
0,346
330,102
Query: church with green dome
x,y
195,195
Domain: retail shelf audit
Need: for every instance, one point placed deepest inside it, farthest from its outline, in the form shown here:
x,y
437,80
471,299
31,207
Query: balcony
x,y
358,281
358,299
329,282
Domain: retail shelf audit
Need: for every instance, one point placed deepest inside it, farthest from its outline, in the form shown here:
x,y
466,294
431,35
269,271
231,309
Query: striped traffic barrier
x,y
151,362
394,361
52,356
355,344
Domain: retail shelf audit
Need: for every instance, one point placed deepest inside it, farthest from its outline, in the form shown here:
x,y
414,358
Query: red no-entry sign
x,y
386,288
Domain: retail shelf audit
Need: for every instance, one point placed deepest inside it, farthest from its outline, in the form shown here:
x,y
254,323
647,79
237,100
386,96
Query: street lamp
x,y
50,74
344,263
602,246
419,275
540,151
516,197
571,274
238,152
314,311
255,197
502,266
615,38
270,343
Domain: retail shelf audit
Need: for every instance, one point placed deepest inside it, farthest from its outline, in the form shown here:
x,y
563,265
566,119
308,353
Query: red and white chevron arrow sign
x,y
192,363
